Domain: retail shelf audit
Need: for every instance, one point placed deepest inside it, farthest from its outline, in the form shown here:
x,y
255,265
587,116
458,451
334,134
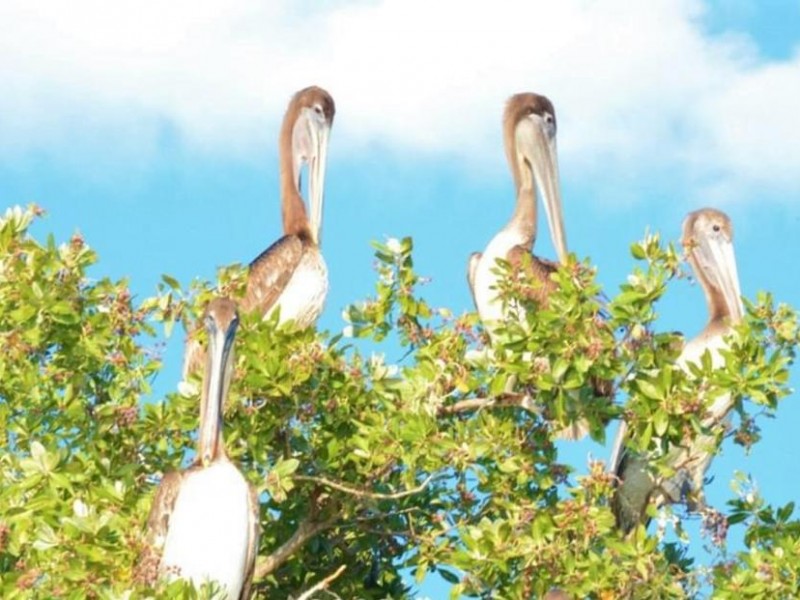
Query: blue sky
x,y
151,128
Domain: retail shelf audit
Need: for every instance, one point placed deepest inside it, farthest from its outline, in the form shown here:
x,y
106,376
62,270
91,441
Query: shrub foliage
x,y
442,463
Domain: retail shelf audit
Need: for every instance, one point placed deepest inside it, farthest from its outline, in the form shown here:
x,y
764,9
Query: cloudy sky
x,y
151,127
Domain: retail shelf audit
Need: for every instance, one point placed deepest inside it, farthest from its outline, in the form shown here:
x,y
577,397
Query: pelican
x,y
204,520
708,239
291,274
529,132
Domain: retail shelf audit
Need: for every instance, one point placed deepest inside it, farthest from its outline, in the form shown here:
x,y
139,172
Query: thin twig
x,y
322,585
364,493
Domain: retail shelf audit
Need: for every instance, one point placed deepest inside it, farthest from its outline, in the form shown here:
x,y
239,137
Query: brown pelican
x,y
708,239
291,274
204,520
529,132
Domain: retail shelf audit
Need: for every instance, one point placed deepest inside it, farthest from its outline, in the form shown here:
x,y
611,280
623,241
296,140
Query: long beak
x,y
717,258
220,344
316,184
540,151
618,447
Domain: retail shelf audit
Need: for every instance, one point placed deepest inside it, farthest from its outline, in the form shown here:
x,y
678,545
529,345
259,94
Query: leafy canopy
x,y
442,463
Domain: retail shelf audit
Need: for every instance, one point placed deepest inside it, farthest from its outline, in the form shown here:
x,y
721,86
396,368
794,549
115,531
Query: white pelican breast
x,y
490,306
304,296
209,528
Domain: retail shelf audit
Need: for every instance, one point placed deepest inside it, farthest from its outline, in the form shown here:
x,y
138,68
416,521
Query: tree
x,y
443,463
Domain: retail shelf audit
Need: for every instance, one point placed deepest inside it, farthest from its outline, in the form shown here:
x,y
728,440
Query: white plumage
x,y
208,533
489,305
304,295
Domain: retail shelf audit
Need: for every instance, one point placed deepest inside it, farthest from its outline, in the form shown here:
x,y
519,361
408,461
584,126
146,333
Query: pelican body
x,y
529,133
291,275
708,238
204,520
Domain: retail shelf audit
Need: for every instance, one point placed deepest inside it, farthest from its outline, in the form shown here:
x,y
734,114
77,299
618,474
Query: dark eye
x,y
318,109
548,118
716,227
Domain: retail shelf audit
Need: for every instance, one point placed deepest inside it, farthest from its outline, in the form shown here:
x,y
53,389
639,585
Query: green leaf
x,y
284,468
660,422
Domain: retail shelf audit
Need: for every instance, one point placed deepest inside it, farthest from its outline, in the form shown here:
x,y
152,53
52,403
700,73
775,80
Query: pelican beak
x,y
316,175
539,149
220,355
715,255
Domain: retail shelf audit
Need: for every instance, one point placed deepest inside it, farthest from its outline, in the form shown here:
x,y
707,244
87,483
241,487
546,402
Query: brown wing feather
x,y
149,562
252,549
163,504
538,268
270,273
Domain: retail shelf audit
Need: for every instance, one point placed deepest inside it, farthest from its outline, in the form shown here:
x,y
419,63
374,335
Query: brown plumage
x,y
211,479
271,271
708,240
537,269
291,274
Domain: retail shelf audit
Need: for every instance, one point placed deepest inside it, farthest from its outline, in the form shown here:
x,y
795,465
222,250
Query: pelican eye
x,y
318,109
549,124
716,227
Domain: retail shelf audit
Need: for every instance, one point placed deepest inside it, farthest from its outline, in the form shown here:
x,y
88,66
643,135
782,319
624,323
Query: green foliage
x,y
77,445
444,463
769,567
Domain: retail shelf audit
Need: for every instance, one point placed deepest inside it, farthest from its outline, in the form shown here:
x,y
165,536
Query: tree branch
x,y
523,401
307,529
322,585
364,493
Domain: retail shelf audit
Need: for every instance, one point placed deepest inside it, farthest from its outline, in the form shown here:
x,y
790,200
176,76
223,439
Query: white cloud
x,y
635,84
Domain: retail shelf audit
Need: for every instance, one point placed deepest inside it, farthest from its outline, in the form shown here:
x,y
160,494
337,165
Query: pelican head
x,y
221,320
312,115
708,240
530,131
